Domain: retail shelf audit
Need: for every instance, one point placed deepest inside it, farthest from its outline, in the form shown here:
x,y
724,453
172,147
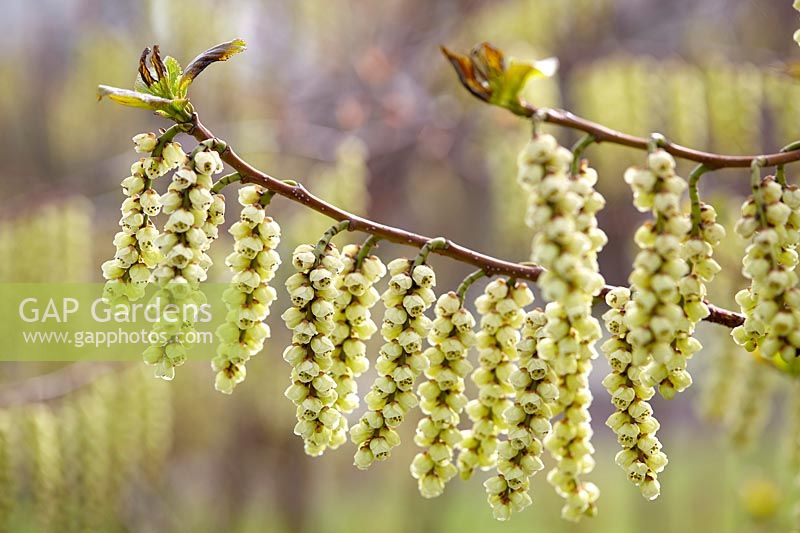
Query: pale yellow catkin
x,y
752,405
8,483
724,368
156,412
94,464
47,471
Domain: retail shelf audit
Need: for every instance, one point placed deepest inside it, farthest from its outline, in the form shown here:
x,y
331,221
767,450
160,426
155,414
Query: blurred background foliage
x,y
354,99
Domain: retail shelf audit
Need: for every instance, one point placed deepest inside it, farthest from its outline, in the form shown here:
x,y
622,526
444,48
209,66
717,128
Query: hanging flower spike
x,y
562,208
771,221
500,308
752,404
792,441
401,360
184,262
313,290
633,423
354,324
698,251
253,263
442,395
528,421
128,274
657,323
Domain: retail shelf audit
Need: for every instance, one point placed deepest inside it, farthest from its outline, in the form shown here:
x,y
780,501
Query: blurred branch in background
x,y
55,385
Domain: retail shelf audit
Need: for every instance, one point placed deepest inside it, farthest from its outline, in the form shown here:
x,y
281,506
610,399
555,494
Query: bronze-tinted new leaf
x,y
488,75
158,63
466,74
489,62
144,72
221,52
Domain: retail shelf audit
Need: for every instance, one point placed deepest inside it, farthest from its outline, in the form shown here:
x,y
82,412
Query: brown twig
x,y
604,134
491,265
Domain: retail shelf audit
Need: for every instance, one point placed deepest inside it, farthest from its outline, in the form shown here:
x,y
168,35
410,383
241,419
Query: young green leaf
x,y
179,110
133,98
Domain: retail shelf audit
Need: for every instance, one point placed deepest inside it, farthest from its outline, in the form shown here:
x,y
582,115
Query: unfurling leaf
x,y
221,52
163,88
177,109
166,81
466,74
133,98
487,74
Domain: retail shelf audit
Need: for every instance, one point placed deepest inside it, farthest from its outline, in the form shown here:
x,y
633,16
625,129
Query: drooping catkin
x,y
658,326
249,297
792,428
93,462
500,309
528,421
771,222
137,251
633,422
8,483
47,485
128,273
401,361
184,263
124,432
792,443
70,451
698,250
442,394
724,369
752,404
562,210
313,289
354,323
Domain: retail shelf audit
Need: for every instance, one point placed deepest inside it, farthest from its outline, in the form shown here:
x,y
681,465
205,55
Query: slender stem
x,y
755,183
168,135
224,181
604,134
439,243
791,147
536,121
694,195
780,170
780,175
266,198
577,151
464,286
656,141
365,249
331,232
491,265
